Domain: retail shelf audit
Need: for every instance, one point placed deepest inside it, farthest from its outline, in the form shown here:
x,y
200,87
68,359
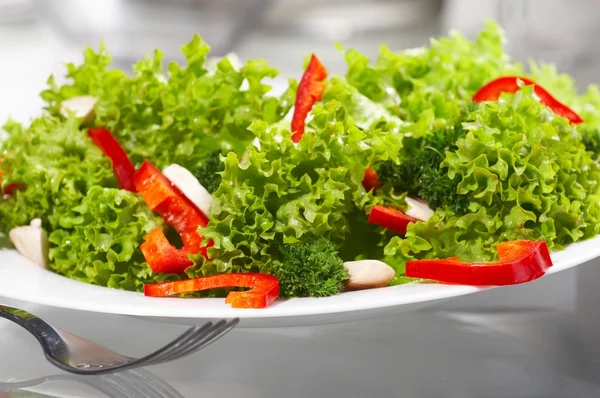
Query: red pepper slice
x,y
264,288
178,211
10,188
162,256
519,261
310,90
122,165
509,84
370,180
390,218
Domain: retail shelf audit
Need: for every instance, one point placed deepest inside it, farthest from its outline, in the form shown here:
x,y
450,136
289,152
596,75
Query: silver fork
x,y
76,355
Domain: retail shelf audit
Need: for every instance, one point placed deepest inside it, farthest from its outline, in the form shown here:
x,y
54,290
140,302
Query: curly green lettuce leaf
x,y
283,192
429,86
179,115
57,163
527,175
100,240
587,104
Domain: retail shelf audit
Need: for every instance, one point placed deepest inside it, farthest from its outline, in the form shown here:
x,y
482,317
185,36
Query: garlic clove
x,y
82,107
32,242
368,274
418,209
189,185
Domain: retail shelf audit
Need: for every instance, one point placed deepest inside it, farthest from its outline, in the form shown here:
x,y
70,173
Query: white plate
x,y
22,280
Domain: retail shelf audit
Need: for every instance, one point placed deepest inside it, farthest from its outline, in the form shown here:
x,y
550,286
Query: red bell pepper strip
x,y
390,218
370,180
310,90
178,211
509,84
10,188
162,256
122,165
264,288
519,261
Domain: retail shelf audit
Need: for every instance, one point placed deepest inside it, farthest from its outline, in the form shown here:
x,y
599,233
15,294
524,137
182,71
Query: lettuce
x,y
179,115
57,162
429,87
283,191
527,176
100,242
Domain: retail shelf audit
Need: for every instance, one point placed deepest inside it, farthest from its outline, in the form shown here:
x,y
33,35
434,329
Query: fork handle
x,y
42,331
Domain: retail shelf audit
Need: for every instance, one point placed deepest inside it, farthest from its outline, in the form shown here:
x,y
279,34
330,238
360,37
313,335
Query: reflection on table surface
x,y
481,346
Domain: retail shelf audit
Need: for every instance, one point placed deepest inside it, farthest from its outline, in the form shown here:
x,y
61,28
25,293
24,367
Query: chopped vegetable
x,y
81,107
370,181
418,209
310,91
422,175
284,191
32,242
162,256
166,200
368,274
99,240
58,164
512,84
189,186
122,166
11,187
391,219
209,171
174,113
177,210
311,268
519,261
264,289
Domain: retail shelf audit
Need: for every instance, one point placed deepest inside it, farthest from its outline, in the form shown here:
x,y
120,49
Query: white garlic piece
x,y
418,209
368,274
189,185
82,107
32,242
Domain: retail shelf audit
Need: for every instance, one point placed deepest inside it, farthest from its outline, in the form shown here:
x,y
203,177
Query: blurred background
x,y
38,36
539,340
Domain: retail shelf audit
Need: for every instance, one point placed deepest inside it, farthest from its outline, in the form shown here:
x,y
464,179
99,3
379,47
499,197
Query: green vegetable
x,y
421,174
179,115
438,190
587,105
279,194
527,175
57,162
100,240
311,268
430,86
187,115
209,171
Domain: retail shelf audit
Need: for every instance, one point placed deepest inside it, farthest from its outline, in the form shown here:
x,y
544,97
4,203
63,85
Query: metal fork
x,y
76,355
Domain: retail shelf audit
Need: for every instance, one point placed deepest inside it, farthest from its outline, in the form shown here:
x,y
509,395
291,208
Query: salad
x,y
448,162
